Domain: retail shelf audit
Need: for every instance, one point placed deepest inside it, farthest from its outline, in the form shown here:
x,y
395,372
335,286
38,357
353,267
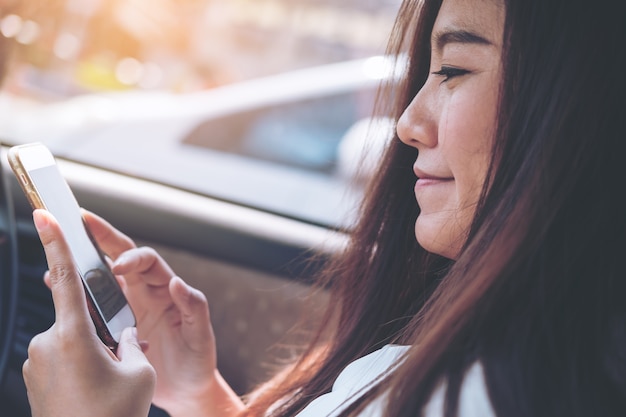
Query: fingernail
x,y
40,220
120,260
179,281
130,333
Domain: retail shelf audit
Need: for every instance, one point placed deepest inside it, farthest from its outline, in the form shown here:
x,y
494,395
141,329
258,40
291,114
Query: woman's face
x,y
451,121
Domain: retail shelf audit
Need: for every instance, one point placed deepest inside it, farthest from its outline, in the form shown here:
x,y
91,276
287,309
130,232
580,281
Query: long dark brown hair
x,y
537,294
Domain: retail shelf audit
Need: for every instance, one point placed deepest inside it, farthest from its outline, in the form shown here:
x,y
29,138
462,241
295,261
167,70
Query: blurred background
x,y
264,103
69,47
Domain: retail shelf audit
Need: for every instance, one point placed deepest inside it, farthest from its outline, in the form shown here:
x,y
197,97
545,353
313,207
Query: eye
x,y
450,72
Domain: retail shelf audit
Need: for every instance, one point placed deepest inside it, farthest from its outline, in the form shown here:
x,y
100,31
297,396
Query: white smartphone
x,y
44,186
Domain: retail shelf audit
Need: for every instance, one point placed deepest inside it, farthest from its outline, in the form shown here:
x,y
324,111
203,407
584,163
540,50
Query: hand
x,y
69,371
174,319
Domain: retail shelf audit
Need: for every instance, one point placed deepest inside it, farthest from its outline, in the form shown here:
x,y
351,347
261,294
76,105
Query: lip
x,y
423,182
427,183
427,178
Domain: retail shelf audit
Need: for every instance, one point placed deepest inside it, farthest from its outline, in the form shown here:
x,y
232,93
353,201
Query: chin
x,y
437,239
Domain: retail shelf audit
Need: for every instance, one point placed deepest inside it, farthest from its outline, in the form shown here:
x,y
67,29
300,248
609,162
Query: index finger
x,y
66,285
109,239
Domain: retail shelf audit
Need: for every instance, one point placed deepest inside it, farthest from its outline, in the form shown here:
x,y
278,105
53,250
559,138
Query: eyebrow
x,y
441,39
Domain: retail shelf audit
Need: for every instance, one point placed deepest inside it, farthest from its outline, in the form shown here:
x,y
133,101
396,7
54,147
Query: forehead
x,y
482,17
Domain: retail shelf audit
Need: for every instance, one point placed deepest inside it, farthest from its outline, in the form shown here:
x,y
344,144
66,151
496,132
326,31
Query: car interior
x,y
253,266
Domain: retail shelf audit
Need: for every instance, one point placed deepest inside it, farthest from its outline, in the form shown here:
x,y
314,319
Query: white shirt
x,y
473,400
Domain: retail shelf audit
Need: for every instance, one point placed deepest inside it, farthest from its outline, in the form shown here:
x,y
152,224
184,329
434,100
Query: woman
x,y
491,286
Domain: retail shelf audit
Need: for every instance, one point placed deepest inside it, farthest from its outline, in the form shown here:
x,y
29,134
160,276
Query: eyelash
x,y
450,72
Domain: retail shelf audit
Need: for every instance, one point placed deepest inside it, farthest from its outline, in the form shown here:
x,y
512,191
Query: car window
x,y
267,88
304,134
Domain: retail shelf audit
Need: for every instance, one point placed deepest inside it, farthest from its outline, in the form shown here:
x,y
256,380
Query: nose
x,y
417,127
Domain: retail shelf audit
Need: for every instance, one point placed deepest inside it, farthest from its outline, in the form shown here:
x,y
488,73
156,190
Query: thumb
x,y
194,309
129,348
135,365
65,283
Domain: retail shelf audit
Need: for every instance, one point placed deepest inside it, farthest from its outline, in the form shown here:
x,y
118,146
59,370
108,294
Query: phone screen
x,y
60,201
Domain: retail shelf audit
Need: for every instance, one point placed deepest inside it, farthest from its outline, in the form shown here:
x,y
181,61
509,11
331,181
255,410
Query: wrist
x,y
217,399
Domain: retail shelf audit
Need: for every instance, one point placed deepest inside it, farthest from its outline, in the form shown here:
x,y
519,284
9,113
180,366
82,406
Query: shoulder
x,y
354,381
473,400
369,368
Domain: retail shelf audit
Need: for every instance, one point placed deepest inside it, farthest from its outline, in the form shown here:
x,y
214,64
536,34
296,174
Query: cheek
x,y
466,140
